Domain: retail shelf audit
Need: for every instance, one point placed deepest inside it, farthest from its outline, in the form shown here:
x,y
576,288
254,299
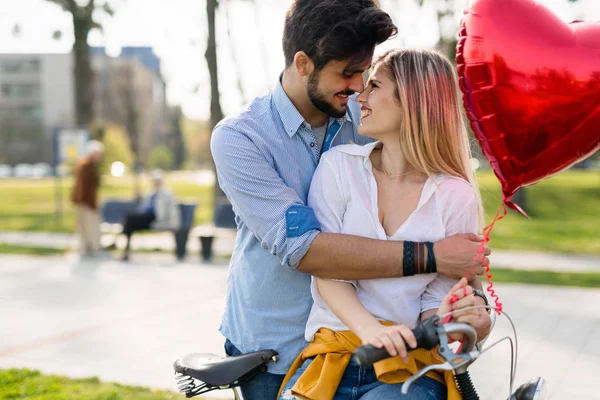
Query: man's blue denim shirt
x,y
265,157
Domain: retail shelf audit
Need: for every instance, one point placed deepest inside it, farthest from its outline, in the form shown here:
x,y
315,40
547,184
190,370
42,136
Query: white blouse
x,y
343,195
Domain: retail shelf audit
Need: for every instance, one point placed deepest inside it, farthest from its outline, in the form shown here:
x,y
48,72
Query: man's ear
x,y
303,64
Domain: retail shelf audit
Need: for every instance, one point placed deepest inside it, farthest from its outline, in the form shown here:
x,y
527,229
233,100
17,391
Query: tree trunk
x,y
84,76
132,122
216,114
177,143
238,67
448,47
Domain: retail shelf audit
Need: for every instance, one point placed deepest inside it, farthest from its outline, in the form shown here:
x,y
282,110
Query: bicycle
x,y
201,373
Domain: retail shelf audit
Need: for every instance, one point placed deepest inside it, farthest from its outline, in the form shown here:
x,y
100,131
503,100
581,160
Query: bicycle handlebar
x,y
426,334
430,334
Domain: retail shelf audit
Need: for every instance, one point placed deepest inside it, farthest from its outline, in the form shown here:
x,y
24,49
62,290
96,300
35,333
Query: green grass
x,y
24,384
578,279
563,209
564,213
6,248
29,205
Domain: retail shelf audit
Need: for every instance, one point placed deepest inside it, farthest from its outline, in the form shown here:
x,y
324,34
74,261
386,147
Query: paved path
x,y
128,323
164,240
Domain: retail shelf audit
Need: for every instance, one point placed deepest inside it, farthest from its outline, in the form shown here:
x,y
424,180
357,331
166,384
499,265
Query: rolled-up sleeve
x,y
272,211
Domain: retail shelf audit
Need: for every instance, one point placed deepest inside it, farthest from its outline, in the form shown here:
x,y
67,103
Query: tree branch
x,y
64,4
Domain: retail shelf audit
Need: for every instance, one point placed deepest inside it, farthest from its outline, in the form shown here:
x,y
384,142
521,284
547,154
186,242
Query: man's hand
x,y
455,255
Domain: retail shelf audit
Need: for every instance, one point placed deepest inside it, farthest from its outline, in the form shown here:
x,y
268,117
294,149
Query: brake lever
x,y
443,367
453,361
459,361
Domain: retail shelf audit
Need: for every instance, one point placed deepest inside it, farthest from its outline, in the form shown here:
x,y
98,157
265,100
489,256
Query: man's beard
x,y
318,99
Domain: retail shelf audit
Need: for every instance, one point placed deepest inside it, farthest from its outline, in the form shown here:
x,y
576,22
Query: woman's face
x,y
380,112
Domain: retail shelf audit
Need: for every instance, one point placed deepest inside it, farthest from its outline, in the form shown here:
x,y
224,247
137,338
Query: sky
x,y
176,29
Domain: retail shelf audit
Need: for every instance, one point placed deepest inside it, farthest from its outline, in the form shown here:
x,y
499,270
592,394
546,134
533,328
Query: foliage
x,y
85,11
161,157
197,137
117,148
25,384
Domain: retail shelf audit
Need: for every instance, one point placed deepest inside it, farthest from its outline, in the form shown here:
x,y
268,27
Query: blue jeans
x,y
263,386
361,383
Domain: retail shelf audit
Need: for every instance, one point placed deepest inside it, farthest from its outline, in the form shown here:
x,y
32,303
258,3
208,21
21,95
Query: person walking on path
x,y
85,198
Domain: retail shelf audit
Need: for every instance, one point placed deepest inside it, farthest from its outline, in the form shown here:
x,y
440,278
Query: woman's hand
x,y
459,298
390,337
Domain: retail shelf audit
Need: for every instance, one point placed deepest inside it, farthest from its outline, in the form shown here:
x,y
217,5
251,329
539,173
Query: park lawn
x,y
563,209
564,212
7,248
24,384
29,205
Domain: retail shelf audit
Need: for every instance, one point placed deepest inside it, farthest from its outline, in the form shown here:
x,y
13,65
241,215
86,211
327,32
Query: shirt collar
x,y
290,117
361,151
365,151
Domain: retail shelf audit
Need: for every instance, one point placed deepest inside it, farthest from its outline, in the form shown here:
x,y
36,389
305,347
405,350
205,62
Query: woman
x,y
413,184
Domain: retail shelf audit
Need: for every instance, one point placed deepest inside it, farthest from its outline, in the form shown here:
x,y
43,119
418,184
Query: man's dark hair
x,y
334,30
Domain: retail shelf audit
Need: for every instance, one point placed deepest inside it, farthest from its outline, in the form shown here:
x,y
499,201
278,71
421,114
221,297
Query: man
x,y
265,158
85,198
158,211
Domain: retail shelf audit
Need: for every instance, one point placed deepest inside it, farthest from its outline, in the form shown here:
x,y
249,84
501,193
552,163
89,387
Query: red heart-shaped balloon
x,y
531,88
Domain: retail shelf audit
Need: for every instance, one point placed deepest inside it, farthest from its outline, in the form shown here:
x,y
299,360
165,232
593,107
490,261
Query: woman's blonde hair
x,y
433,134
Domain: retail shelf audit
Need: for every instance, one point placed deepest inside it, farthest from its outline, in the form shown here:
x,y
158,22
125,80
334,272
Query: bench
x,y
113,214
223,226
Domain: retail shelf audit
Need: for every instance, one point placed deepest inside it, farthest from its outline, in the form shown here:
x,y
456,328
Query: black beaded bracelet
x,y
408,259
431,266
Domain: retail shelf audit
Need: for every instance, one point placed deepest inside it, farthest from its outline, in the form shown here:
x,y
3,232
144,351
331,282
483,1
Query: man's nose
x,y
356,83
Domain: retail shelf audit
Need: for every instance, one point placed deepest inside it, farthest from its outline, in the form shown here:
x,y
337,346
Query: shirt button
x,y
312,144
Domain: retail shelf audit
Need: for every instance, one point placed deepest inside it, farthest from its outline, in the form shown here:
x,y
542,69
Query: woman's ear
x,y
303,64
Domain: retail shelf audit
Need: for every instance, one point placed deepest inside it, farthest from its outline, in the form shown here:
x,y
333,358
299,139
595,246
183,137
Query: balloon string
x,y
480,258
487,231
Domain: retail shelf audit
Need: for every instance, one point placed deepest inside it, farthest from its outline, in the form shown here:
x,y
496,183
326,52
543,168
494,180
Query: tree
x,y
238,67
216,113
161,157
83,23
129,101
117,147
176,141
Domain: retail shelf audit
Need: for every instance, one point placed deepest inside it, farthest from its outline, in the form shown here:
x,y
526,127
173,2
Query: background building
x,y
37,96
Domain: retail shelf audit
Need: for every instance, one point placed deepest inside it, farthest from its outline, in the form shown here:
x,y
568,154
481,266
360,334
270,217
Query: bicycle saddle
x,y
223,371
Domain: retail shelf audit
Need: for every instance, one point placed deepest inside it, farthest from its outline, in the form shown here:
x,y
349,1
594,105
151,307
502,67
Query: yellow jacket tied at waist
x,y
332,352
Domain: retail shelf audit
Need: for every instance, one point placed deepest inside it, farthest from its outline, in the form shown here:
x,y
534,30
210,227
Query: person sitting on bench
x,y
158,210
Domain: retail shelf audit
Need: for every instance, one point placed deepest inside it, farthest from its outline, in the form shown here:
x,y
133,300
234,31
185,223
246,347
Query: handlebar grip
x,y
369,355
425,334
